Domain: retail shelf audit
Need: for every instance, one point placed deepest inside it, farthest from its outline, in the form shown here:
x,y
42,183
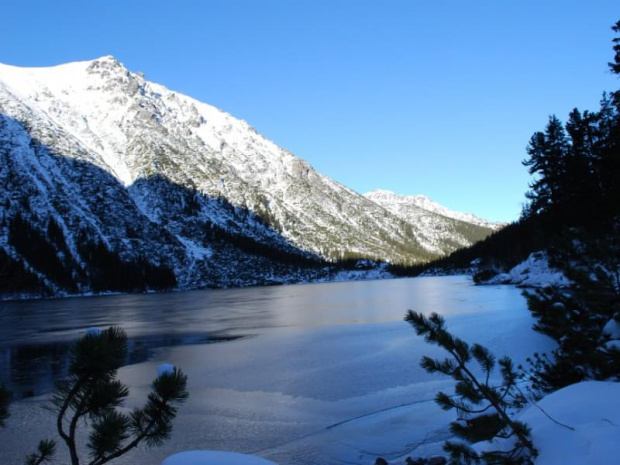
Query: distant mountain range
x,y
411,207
436,226
101,169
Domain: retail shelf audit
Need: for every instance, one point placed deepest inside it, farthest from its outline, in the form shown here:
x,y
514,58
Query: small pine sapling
x,y
91,395
483,408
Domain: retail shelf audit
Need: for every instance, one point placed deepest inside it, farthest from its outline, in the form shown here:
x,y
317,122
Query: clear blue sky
x,y
438,98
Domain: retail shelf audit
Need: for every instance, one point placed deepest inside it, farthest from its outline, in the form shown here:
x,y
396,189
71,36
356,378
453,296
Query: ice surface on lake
x,y
325,373
200,457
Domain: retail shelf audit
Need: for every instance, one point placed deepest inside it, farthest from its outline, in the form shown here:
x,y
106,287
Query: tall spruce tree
x,y
586,246
548,153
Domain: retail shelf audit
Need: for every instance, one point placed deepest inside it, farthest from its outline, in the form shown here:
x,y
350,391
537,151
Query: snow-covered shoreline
x,y
337,277
533,272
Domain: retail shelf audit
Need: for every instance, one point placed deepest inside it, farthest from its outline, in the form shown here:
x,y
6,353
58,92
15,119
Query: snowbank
x,y
533,272
612,329
212,457
591,408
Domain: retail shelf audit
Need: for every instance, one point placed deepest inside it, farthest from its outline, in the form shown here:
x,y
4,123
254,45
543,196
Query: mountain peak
x,y
107,63
109,58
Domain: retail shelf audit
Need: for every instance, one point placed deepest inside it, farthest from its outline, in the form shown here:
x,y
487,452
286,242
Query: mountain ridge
x,y
391,200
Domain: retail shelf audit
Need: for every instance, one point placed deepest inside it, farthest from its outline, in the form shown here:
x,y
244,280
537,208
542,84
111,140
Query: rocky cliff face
x,y
171,184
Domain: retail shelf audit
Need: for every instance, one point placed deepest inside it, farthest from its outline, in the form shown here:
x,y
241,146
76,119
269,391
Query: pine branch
x,y
468,386
45,453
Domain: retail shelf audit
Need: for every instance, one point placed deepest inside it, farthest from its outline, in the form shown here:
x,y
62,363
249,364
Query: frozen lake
x,y
305,374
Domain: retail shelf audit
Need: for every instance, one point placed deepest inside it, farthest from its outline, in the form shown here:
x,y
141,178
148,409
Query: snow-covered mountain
x,y
436,224
408,208
107,159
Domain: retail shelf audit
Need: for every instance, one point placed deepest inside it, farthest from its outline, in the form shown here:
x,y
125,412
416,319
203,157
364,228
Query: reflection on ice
x,y
31,369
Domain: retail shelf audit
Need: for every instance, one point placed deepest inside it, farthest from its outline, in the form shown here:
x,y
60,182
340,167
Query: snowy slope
x,y
148,171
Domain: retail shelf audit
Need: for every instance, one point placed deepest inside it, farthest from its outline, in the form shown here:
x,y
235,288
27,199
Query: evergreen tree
x,y
547,161
485,408
579,183
91,394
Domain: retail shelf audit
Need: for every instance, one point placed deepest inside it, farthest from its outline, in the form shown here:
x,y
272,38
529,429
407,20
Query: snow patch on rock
x,y
535,271
612,329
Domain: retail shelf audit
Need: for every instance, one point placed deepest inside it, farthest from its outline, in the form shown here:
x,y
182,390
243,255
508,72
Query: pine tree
x,y
485,408
547,157
585,246
91,394
579,183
